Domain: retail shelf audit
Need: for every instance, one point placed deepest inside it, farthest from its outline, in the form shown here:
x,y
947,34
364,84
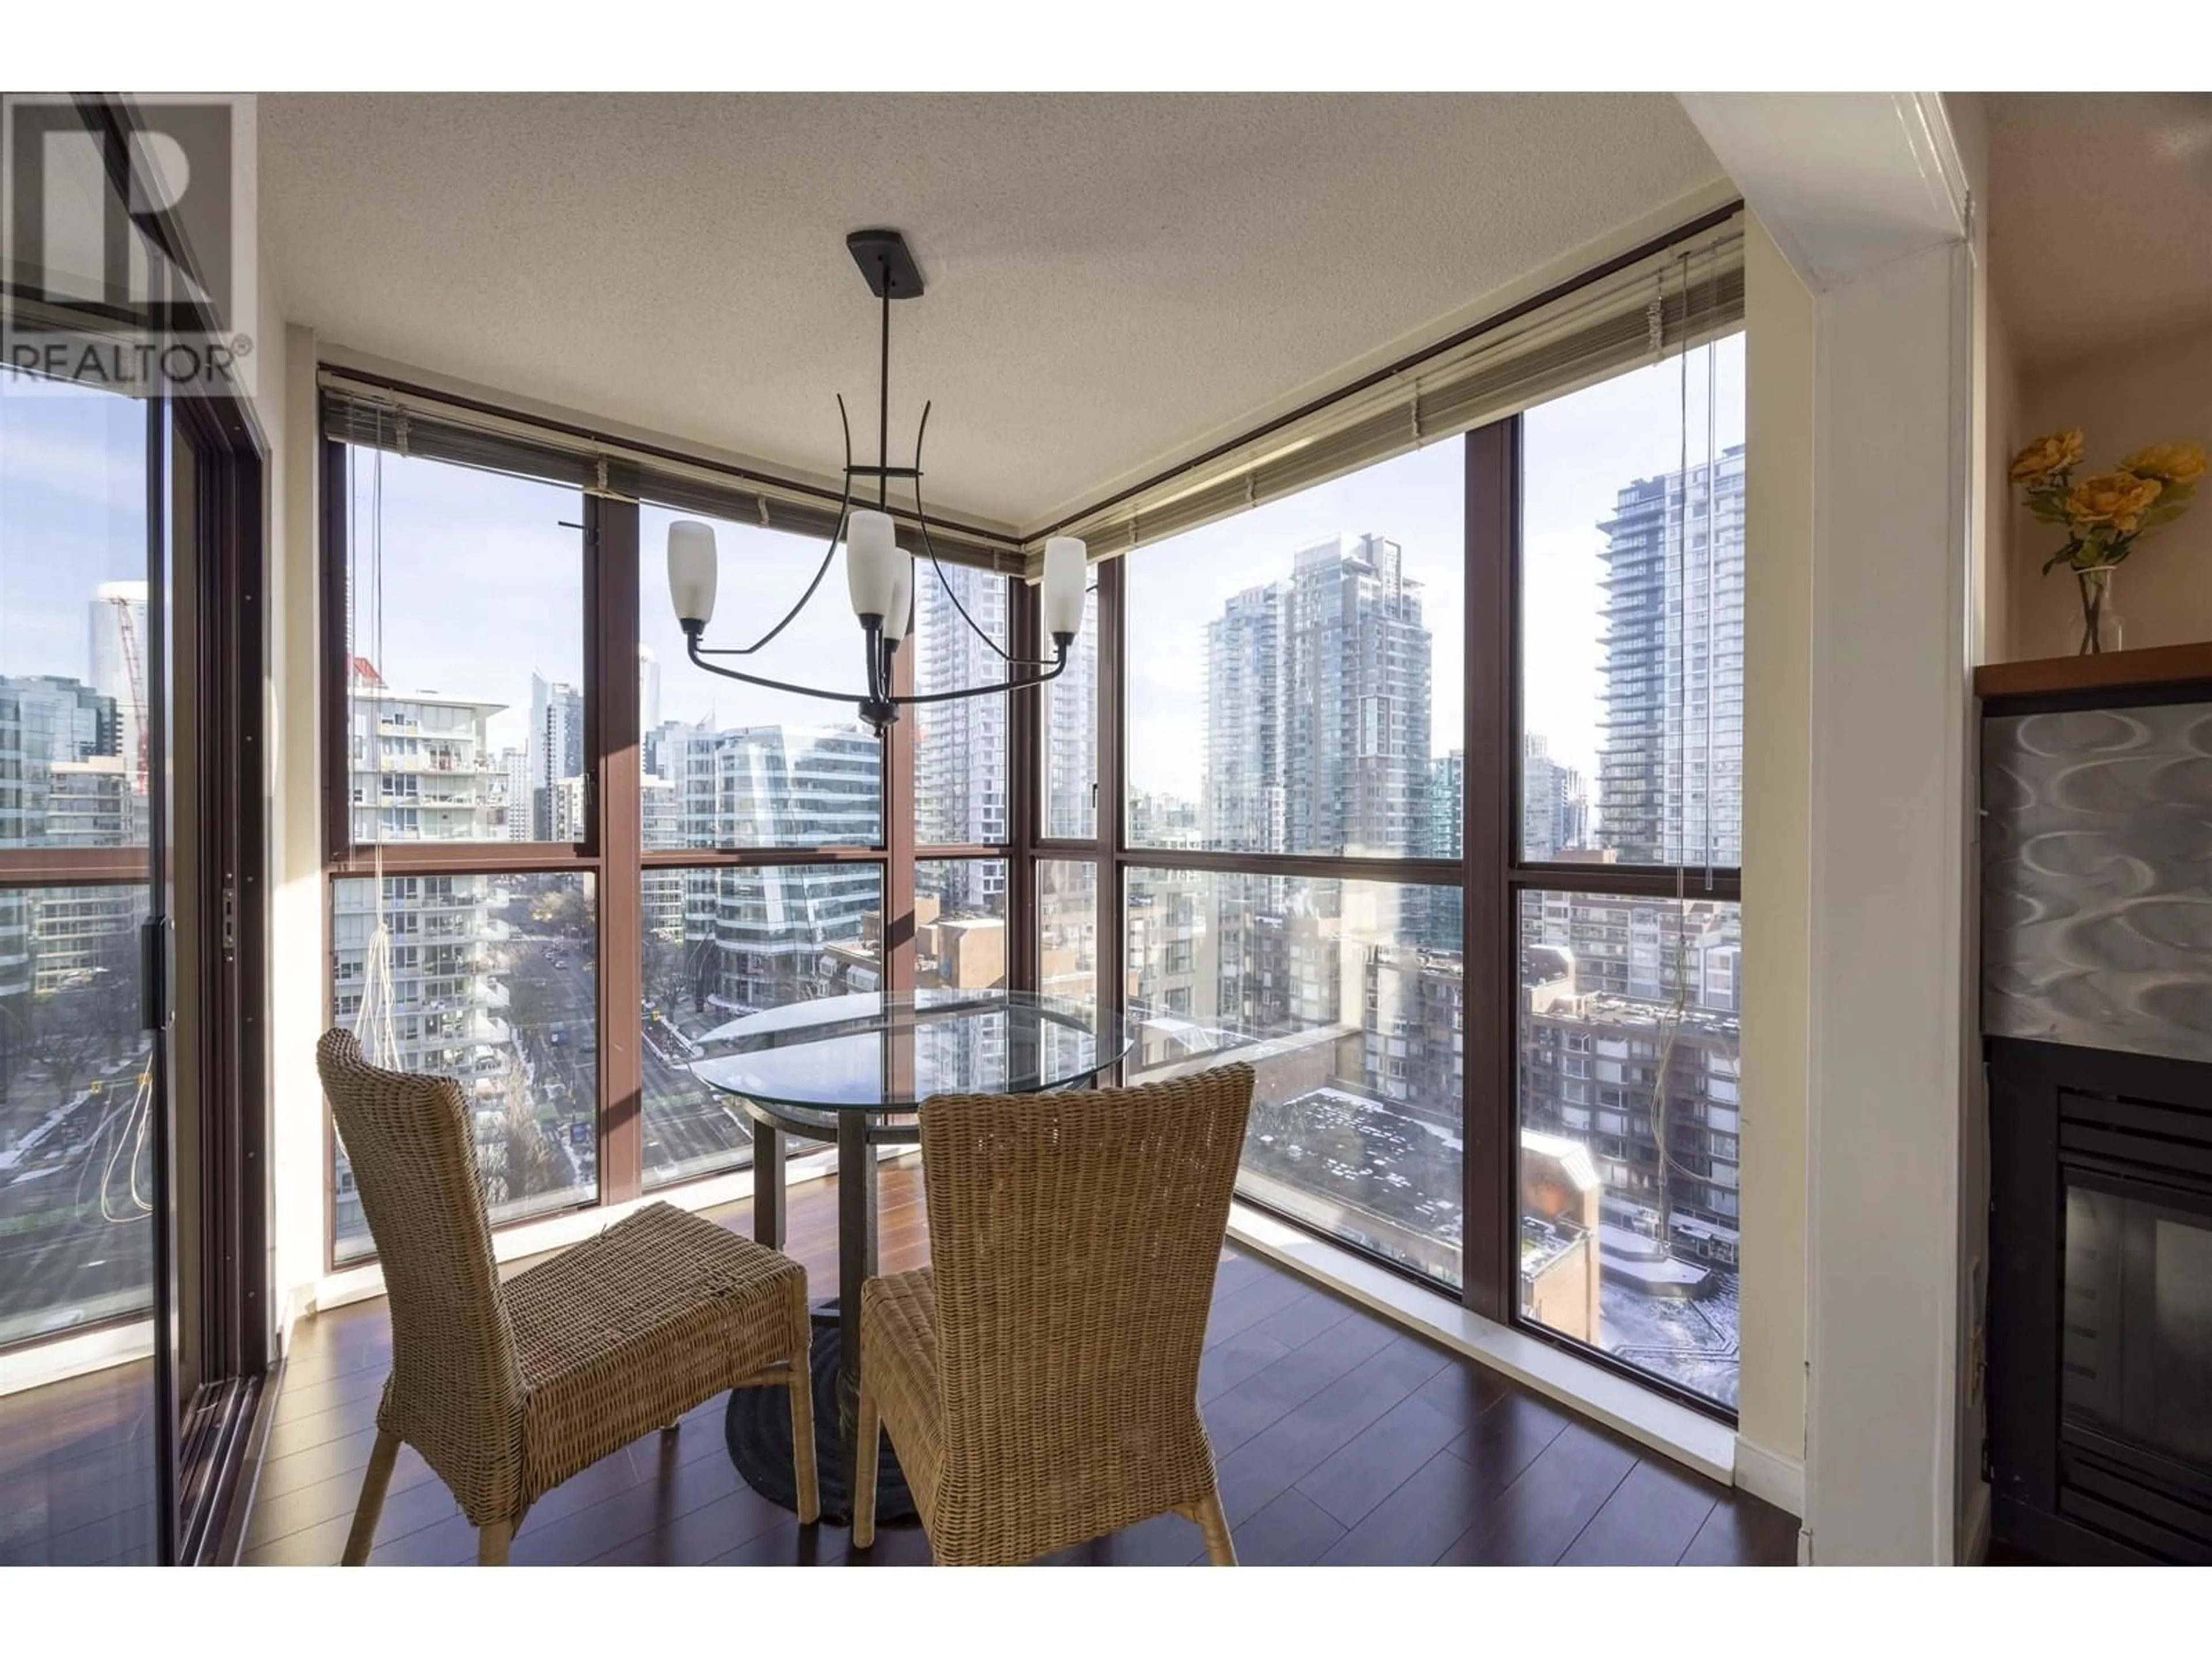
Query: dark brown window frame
x,y
1491,875
611,850
199,1442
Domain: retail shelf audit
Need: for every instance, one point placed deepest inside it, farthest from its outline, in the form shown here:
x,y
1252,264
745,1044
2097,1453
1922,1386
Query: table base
x,y
757,1427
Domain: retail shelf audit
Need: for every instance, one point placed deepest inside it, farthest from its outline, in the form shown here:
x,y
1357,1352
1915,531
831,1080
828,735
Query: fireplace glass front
x,y
2137,1344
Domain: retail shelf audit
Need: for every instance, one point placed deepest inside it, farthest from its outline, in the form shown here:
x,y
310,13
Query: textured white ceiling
x,y
2100,216
1113,279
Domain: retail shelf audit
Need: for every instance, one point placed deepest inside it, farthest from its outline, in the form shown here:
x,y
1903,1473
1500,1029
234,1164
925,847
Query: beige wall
x,y
2004,432
282,355
296,885
2154,391
1778,690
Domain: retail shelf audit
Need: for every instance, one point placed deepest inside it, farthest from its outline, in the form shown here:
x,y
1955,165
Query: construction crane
x,y
136,675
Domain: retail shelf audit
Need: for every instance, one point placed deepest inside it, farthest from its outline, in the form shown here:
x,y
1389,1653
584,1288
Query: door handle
x,y
157,959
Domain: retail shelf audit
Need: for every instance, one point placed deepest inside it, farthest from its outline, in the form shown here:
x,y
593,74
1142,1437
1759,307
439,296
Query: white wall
x,y
2005,431
281,357
1866,195
1888,744
1778,694
298,955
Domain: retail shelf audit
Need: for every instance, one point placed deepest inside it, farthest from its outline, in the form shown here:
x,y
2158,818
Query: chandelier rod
x,y
884,404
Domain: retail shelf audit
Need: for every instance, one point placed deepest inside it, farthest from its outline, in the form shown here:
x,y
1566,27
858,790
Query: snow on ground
x,y
1692,1343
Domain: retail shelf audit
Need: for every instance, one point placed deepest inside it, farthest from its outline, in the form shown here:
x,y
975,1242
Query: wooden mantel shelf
x,y
2111,671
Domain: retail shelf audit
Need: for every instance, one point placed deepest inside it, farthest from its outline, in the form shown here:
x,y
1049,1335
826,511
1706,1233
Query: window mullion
x,y
1110,820
611,717
898,746
1489,802
1025,785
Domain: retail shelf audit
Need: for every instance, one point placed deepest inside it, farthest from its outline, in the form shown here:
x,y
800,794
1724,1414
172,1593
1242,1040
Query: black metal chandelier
x,y
880,572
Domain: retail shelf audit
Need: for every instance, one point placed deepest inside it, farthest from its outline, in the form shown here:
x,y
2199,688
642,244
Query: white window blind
x,y
404,421
1641,313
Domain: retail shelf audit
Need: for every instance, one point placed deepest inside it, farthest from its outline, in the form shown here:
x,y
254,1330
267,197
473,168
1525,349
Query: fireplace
x,y
2100,1384
2097,1020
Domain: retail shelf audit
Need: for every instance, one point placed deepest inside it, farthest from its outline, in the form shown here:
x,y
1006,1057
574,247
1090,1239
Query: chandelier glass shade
x,y
880,574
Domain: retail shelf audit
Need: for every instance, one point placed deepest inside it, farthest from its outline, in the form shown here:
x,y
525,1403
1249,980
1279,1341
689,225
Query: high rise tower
x,y
648,687
1317,708
960,747
556,748
1670,770
1242,809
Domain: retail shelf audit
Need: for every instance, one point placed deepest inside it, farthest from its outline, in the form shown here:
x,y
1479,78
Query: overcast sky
x,y
482,584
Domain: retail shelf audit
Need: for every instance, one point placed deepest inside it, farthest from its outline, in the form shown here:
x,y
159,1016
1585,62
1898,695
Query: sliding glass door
x,y
82,1435
133,1328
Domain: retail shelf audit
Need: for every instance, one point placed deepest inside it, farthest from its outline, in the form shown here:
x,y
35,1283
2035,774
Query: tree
x,y
665,972
528,1006
676,968
565,909
65,1031
529,1159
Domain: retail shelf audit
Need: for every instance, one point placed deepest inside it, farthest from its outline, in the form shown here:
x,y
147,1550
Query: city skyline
x,y
1356,628
1579,453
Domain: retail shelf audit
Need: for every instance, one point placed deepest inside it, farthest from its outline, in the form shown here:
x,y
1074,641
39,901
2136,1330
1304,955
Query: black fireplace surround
x,y
2101,1311
2097,1019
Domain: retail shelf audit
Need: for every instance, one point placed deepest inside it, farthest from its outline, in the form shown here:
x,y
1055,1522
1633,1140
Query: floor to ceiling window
x,y
551,819
464,742
74,1063
130,1304
751,800
1293,702
1430,773
1405,765
1630,680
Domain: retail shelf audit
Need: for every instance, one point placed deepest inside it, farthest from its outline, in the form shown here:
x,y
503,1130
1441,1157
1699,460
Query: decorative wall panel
x,y
2097,878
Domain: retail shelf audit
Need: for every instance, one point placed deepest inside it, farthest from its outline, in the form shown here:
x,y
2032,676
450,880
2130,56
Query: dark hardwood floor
x,y
76,1470
1339,1438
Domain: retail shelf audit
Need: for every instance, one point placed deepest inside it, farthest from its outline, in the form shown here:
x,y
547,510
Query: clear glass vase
x,y
2099,627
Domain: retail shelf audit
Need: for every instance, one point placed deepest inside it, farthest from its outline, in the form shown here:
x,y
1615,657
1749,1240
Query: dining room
x,y
1060,873
776,811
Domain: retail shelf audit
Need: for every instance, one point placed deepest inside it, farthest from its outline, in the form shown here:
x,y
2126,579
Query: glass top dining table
x,y
855,1070
887,1052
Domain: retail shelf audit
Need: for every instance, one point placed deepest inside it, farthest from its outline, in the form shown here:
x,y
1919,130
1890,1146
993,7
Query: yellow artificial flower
x,y
2170,463
2118,499
2052,453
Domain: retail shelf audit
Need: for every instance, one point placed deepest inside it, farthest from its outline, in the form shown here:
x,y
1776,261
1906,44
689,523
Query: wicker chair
x,y
1039,1379
508,1390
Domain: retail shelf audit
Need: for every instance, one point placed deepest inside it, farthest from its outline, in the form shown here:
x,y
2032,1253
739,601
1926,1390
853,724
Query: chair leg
x,y
1220,1549
492,1543
370,1505
804,1472
868,1425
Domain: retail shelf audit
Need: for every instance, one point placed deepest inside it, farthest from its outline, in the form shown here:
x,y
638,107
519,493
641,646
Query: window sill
x,y
1689,1438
